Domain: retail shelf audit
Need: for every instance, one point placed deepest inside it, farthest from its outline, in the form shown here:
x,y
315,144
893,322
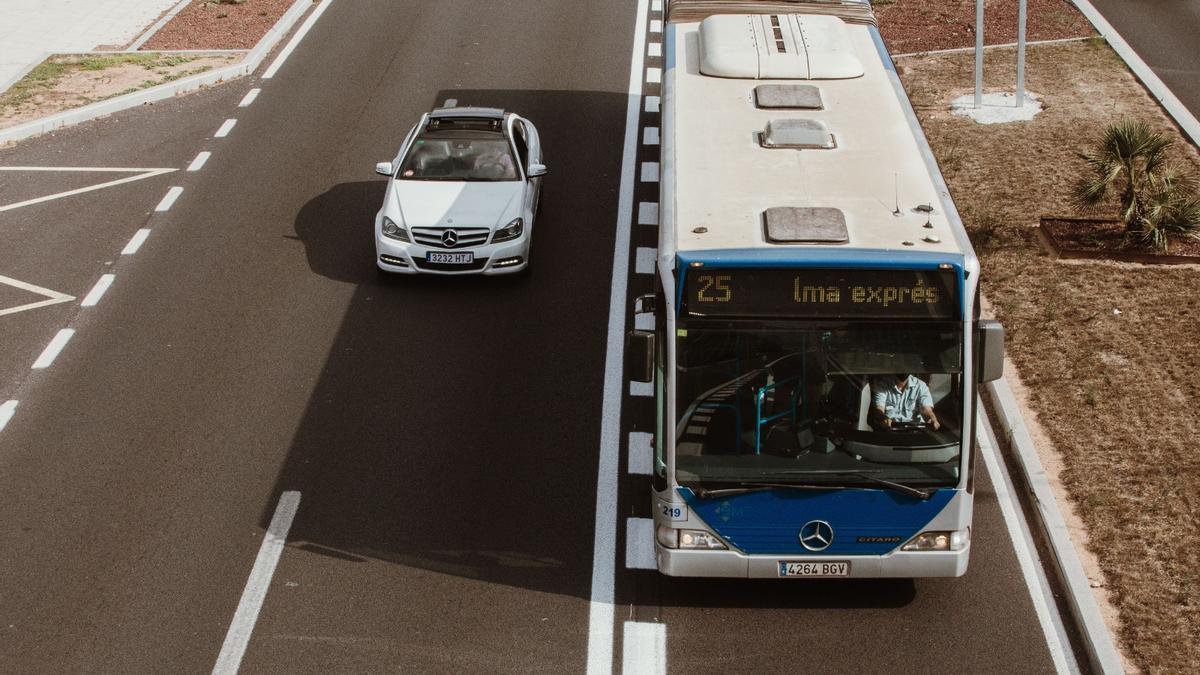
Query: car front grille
x,y
475,266
466,236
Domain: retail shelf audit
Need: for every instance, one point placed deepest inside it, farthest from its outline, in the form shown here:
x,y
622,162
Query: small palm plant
x,y
1157,200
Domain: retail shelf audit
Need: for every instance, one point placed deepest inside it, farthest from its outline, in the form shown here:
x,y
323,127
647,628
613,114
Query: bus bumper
x,y
733,564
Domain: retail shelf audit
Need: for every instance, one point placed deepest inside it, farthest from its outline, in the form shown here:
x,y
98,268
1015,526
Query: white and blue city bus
x,y
810,262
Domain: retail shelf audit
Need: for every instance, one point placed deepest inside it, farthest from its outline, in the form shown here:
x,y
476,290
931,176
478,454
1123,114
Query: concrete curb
x,y
163,91
1101,652
1182,116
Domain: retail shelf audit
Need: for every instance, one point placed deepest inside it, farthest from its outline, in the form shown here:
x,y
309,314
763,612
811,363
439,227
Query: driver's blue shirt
x,y
903,405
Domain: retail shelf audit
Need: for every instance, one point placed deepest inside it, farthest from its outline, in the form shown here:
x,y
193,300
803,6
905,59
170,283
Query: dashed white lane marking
x,y
52,297
652,103
641,389
250,96
650,172
225,128
291,45
602,595
168,199
141,174
656,26
645,650
645,260
654,75
639,544
647,213
257,585
650,136
655,49
136,242
7,410
98,291
656,6
198,163
643,321
641,452
52,350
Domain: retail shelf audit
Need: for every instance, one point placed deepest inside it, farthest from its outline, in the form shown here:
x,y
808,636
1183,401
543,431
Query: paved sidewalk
x,y
31,28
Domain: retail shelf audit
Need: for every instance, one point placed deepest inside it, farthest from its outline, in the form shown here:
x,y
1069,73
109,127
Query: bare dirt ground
x,y
926,25
211,24
1107,350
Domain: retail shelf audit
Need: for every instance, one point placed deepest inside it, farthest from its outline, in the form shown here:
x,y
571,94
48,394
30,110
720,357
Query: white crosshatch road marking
x,y
52,297
141,173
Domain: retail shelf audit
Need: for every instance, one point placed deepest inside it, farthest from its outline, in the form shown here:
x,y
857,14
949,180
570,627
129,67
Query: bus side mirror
x,y
639,356
644,304
991,350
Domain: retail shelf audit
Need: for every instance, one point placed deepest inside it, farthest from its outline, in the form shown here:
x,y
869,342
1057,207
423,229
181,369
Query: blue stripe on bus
x,y
887,259
769,522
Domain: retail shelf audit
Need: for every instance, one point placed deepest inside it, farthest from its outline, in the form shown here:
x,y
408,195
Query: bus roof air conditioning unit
x,y
777,46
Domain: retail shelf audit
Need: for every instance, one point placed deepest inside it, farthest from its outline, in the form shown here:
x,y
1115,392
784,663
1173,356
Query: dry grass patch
x,y
1108,351
64,82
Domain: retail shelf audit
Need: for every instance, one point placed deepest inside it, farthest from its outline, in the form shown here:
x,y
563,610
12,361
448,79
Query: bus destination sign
x,y
821,293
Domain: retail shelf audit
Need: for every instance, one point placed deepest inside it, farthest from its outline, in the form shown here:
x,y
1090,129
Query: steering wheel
x,y
907,426
490,168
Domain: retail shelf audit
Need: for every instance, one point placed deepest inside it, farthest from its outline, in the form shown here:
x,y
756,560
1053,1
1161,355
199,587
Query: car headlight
x,y
510,231
939,541
689,539
394,231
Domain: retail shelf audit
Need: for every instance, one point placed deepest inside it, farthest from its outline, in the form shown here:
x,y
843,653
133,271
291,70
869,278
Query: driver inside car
x,y
902,399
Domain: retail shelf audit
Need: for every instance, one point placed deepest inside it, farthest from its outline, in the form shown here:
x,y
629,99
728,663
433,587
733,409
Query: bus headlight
x,y
669,537
939,541
510,231
393,231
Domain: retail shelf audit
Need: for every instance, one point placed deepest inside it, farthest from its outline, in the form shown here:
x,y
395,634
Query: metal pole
x,y
1021,55
979,53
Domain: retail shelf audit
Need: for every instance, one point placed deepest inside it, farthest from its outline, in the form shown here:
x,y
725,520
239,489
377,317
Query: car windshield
x,y
459,156
837,405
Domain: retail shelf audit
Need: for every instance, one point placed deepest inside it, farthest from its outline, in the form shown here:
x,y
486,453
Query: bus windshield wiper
x,y
745,487
866,475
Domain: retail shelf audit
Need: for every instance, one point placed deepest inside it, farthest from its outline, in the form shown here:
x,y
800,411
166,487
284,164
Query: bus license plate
x,y
450,258
814,569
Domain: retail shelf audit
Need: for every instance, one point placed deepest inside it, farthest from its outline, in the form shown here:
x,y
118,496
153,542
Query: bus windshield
x,y
838,405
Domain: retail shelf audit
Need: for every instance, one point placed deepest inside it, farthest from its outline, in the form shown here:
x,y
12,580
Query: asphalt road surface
x,y
440,435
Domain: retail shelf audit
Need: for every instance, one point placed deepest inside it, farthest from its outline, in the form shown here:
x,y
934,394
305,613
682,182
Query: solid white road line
x,y
641,450
225,128
52,350
136,242
647,213
1039,590
146,173
7,410
600,606
98,291
291,45
198,163
249,98
238,637
645,648
168,199
639,544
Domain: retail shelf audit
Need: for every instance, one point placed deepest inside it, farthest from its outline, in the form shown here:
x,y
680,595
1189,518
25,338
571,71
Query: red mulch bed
x,y
1105,239
927,25
212,25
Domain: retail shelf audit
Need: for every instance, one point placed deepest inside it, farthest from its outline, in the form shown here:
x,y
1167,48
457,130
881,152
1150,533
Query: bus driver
x,y
901,401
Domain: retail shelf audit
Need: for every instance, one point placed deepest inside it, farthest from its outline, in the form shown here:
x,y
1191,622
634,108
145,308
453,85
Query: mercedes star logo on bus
x,y
816,535
449,237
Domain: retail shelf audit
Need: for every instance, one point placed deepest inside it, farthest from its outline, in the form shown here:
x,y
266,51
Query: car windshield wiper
x,y
745,487
866,475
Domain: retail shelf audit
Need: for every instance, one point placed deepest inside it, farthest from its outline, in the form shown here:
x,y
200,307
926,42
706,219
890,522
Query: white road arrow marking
x,y
53,297
141,174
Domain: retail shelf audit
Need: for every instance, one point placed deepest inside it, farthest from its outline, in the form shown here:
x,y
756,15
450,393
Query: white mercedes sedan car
x,y
461,195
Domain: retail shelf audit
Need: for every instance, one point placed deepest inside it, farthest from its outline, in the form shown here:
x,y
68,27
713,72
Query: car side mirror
x,y
536,170
991,350
383,168
639,355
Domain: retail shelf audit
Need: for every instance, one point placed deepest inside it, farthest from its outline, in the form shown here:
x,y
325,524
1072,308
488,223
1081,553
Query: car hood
x,y
457,203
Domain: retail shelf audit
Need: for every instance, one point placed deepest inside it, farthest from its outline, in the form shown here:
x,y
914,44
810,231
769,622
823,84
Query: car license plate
x,y
813,569
451,258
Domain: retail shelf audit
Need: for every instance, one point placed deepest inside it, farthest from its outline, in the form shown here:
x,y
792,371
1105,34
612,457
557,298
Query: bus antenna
x,y
896,176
